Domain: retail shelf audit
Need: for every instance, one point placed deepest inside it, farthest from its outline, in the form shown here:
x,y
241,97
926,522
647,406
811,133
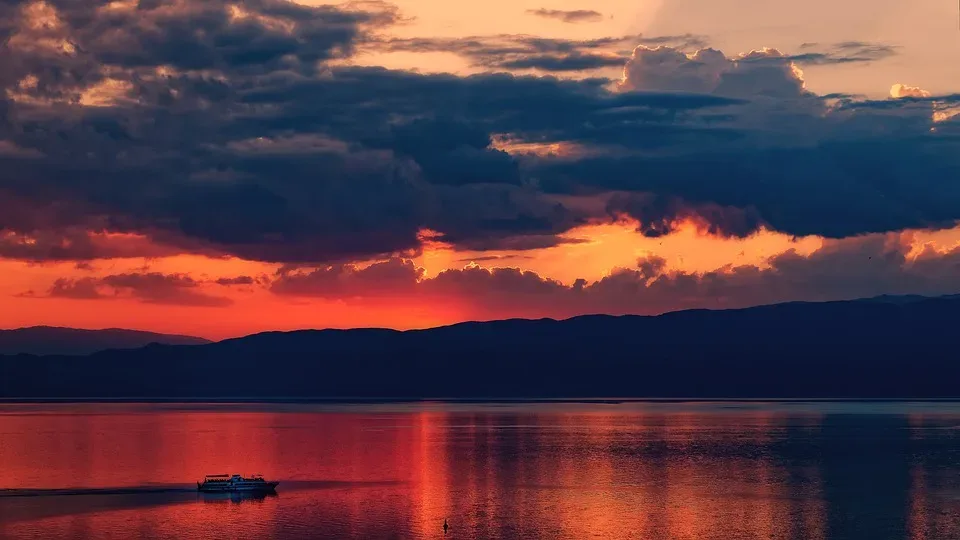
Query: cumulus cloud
x,y
568,16
904,91
761,73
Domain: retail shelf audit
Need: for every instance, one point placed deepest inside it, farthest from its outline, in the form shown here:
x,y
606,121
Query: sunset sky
x,y
219,168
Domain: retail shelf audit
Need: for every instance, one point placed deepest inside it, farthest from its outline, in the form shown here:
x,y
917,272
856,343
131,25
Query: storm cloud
x,y
220,153
137,129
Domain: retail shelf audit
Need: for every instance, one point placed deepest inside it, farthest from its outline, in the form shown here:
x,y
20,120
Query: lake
x,y
645,470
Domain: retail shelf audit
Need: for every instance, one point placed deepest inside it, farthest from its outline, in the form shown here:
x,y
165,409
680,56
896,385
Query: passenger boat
x,y
225,483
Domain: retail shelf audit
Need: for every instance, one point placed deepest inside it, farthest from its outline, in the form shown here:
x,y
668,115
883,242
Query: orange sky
x,y
606,247
256,309
924,30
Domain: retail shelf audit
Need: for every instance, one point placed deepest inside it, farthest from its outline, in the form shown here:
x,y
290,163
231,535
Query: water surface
x,y
523,470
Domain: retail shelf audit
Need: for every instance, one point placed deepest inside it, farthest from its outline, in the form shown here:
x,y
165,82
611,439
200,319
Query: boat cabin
x,y
235,483
227,478
218,477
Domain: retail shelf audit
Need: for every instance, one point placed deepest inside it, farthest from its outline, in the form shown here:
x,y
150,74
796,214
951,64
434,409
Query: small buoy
x,y
445,526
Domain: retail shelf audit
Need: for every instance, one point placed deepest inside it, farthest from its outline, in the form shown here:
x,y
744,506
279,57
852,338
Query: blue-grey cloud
x,y
848,52
560,63
568,16
523,52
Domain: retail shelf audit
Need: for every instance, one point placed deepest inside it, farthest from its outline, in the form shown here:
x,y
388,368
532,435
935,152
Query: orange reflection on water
x,y
931,495
428,459
492,472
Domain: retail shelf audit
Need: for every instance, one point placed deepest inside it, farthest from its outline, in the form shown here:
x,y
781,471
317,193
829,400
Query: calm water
x,y
633,470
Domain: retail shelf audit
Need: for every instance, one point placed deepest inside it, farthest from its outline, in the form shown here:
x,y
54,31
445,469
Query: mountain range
x,y
882,348
45,340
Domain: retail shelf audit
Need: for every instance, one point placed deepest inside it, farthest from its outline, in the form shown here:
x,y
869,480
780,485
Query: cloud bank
x,y
149,129
841,269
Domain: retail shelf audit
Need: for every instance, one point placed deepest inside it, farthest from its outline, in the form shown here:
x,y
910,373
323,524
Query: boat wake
x,y
29,504
180,488
130,490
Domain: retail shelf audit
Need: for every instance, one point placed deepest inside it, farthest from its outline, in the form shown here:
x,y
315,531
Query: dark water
x,y
632,470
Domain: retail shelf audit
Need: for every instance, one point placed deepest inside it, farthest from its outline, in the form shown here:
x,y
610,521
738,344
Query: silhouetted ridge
x,y
876,348
43,340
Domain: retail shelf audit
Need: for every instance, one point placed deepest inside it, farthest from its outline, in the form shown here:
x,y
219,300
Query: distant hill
x,y
45,340
903,299
856,349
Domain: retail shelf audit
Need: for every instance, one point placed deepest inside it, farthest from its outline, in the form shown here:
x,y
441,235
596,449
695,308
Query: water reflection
x,y
557,471
234,498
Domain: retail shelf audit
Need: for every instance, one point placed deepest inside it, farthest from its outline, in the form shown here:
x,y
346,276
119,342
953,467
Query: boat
x,y
226,483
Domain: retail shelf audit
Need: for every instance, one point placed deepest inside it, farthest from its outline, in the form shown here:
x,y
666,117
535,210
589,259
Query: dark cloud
x,y
147,287
522,52
836,189
841,269
658,215
559,63
239,280
485,258
799,164
82,288
572,16
72,244
392,278
848,52
265,171
220,128
67,45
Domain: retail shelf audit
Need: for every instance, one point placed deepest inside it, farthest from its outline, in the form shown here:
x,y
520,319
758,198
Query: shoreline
x,y
472,400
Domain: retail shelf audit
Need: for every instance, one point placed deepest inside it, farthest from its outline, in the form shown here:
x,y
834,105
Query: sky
x,y
220,168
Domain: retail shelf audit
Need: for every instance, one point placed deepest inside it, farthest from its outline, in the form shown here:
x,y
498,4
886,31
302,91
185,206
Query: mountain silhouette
x,y
879,348
44,340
